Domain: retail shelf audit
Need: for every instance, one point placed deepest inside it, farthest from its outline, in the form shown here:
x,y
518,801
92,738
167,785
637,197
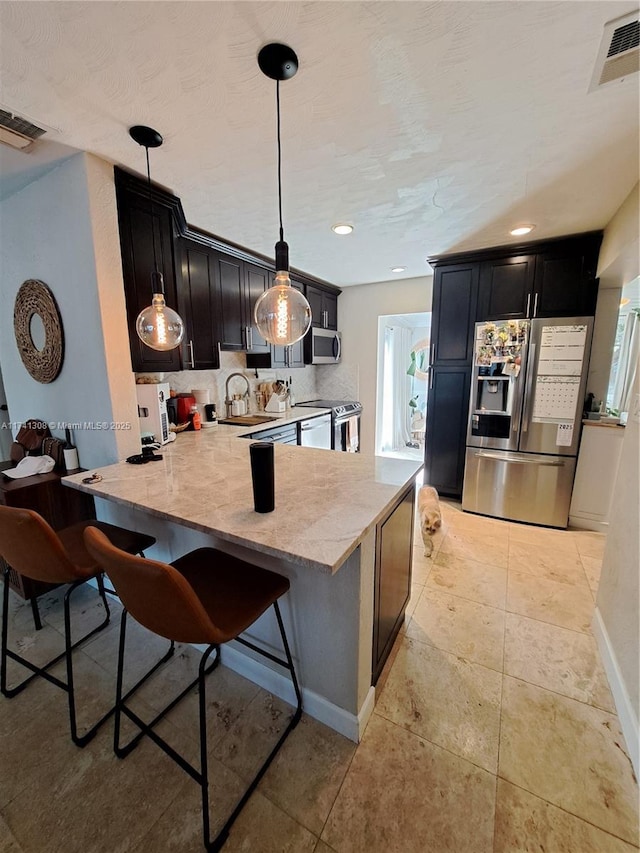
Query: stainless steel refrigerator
x,y
525,415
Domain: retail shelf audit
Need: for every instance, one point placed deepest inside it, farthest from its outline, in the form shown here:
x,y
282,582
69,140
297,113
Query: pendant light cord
x,y
279,158
158,277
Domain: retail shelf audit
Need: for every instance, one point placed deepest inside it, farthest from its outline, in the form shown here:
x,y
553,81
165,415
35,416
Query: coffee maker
x,y
152,410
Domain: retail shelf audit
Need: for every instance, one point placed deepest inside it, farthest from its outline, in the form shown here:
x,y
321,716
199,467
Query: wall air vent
x,y
619,54
17,131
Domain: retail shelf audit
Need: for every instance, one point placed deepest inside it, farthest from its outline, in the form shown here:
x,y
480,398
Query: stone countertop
x,y
293,415
326,501
587,422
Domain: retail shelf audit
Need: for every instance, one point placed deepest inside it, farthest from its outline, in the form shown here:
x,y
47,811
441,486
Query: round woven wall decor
x,y
34,297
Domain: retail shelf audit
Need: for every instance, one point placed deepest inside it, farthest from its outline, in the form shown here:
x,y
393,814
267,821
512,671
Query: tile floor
x,y
494,728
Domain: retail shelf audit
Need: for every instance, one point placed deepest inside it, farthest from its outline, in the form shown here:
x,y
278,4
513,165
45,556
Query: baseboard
x,y
626,714
578,522
347,724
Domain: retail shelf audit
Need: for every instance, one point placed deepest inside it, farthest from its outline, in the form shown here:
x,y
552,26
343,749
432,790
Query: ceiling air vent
x,y
17,131
619,52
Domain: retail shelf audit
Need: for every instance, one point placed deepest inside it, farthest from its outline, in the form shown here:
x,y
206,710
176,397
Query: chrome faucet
x,y
227,400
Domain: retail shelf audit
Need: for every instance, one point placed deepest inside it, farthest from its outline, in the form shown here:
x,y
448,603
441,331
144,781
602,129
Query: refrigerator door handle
x,y
519,403
528,390
556,463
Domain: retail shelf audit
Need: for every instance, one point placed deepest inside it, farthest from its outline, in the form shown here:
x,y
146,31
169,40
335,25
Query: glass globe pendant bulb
x,y
282,314
159,326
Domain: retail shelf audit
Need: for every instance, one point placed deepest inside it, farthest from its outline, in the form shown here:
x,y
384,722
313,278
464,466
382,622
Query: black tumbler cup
x,y
262,474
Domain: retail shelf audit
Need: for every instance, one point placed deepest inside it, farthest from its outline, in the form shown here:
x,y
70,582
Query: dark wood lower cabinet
x,y
446,429
394,550
57,504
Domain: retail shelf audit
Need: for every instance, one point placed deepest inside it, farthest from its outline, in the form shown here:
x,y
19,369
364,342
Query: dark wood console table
x,y
60,506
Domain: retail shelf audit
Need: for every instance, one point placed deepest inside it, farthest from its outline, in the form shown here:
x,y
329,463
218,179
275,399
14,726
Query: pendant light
x,y
282,314
158,326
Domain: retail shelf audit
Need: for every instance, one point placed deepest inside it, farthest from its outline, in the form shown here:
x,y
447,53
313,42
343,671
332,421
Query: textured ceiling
x,y
431,127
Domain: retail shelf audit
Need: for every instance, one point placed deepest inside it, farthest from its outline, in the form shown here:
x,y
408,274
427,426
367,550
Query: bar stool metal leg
x,y
81,740
37,670
222,836
200,776
67,654
120,707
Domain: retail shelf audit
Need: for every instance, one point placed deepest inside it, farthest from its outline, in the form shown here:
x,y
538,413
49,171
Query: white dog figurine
x,y
430,518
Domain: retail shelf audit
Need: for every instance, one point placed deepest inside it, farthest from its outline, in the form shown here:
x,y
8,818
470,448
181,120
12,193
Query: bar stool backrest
x,y
32,548
154,593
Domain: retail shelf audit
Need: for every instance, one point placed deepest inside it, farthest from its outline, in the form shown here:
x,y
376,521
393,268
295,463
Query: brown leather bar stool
x,y
30,546
205,597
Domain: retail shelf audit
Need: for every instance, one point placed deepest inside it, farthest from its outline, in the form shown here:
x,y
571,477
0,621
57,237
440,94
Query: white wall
x,y
47,233
617,624
618,264
111,300
604,335
619,260
358,310
617,620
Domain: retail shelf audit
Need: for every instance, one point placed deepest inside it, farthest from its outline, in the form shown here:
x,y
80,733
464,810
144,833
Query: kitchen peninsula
x,y
341,532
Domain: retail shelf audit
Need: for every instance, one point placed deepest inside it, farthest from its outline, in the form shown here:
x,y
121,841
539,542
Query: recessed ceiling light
x,y
398,269
522,229
624,301
342,228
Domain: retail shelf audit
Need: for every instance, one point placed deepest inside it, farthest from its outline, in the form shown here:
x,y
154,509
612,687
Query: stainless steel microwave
x,y
323,346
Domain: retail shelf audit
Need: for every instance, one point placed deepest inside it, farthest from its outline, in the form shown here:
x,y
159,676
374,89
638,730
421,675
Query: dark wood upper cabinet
x,y
257,280
229,272
565,284
135,219
241,285
455,293
554,279
197,302
331,310
213,284
324,307
506,287
314,298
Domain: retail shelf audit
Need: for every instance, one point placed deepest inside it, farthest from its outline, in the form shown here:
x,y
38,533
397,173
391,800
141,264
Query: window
x,y
625,348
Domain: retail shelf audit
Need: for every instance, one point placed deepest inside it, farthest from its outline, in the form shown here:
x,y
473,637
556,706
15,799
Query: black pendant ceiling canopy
x,y
145,136
278,61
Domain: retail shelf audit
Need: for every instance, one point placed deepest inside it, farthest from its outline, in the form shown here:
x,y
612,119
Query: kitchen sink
x,y
247,420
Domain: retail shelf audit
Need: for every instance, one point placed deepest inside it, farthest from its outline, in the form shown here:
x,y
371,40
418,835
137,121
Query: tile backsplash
x,y
304,379
338,382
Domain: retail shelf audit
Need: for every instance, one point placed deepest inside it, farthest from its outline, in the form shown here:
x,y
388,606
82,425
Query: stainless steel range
x,y
345,421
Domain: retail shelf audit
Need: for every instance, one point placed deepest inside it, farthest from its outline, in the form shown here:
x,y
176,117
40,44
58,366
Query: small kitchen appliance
x,y
322,346
203,403
152,410
185,403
